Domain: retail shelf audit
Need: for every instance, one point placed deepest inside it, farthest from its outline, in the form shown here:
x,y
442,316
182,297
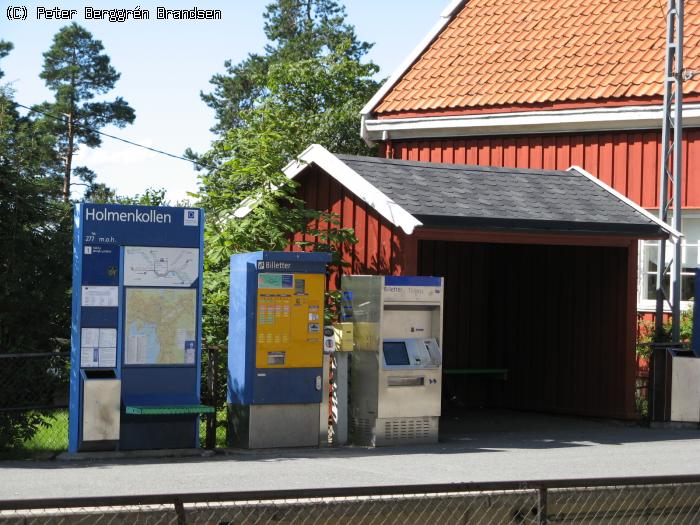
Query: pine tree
x,y
296,30
77,70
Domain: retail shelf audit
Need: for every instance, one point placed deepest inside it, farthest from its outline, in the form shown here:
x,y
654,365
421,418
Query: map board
x,y
160,326
158,266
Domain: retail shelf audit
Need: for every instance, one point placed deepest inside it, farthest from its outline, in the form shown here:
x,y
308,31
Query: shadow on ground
x,y
471,431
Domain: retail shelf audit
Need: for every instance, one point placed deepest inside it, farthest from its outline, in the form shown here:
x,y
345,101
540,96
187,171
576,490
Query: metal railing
x,y
667,499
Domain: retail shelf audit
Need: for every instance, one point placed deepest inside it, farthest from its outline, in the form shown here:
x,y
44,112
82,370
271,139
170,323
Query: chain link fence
x,y
34,396
601,501
34,390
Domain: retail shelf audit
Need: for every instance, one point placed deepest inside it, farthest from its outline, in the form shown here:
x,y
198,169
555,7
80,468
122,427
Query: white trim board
x,y
672,232
525,122
349,178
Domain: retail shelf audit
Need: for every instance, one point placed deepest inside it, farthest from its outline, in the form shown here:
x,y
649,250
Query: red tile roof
x,y
506,53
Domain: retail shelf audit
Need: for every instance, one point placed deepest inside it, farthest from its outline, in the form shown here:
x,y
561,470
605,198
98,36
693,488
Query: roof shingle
x,y
515,53
488,197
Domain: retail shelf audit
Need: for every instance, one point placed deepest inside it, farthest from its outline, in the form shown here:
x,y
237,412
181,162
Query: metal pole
x,y
677,172
542,506
671,171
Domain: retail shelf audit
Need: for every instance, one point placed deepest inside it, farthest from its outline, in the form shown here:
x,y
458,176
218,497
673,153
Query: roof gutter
x,y
526,122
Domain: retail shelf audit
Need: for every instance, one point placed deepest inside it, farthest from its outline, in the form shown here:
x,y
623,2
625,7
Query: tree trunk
x,y
69,160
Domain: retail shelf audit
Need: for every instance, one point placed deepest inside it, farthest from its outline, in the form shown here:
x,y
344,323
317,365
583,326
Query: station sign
x,y
136,320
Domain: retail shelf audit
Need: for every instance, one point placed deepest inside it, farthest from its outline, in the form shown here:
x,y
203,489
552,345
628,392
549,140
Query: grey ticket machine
x,y
396,369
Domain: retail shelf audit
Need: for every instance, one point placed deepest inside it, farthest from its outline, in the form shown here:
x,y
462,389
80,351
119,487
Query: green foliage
x,y
35,264
307,88
296,30
301,28
34,239
76,70
686,325
251,174
95,192
5,48
151,197
99,193
646,332
328,236
645,336
19,427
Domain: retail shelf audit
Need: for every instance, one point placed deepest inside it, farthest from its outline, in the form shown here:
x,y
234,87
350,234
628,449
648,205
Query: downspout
x,y
388,145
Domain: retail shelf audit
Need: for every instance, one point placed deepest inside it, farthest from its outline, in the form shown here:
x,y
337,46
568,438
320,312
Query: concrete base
x,y
135,454
681,425
273,426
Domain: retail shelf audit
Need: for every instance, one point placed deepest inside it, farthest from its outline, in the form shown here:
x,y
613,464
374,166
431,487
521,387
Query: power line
x,y
126,141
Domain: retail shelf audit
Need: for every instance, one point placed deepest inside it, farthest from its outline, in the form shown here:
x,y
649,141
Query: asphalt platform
x,y
475,446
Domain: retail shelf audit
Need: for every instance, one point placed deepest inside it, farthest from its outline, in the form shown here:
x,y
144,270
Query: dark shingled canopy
x,y
447,195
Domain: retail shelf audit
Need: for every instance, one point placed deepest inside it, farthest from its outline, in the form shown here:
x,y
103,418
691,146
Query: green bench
x,y
500,373
169,410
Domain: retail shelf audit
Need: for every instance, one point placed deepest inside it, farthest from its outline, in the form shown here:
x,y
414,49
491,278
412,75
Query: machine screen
x,y
395,353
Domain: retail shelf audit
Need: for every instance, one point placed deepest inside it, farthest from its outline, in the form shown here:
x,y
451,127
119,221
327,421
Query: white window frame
x,y
645,304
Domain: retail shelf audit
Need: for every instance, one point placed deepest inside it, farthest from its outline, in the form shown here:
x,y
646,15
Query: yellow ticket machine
x,y
276,349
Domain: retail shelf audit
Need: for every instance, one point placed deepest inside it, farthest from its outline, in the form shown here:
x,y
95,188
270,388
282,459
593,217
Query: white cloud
x,y
131,170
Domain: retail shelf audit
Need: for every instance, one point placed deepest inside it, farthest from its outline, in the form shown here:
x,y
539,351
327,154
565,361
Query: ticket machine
x,y
395,374
275,355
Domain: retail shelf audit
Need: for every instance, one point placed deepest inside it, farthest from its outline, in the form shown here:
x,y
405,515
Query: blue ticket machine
x,y
136,327
275,353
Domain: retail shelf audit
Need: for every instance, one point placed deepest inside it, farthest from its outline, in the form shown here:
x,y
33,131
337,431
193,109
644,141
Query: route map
x,y
160,326
161,267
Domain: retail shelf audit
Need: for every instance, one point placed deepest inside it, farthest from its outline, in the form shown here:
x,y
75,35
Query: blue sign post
x,y
136,327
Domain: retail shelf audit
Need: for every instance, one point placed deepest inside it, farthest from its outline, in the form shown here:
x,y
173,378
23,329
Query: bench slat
x,y
163,410
503,372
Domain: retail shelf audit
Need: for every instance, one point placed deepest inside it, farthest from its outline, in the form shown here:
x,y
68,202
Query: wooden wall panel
x,y
381,248
628,161
554,316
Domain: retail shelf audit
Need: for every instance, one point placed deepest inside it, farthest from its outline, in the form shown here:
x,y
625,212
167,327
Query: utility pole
x,y
672,153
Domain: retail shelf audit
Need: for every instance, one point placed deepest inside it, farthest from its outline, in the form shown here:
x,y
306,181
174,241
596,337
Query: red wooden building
x,y
539,267
542,84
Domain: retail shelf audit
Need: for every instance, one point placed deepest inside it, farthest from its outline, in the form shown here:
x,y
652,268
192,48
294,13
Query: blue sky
x,y
165,64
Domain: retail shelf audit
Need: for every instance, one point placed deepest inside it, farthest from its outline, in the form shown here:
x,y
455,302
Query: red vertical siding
x,y
379,246
628,161
549,153
559,332
563,149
